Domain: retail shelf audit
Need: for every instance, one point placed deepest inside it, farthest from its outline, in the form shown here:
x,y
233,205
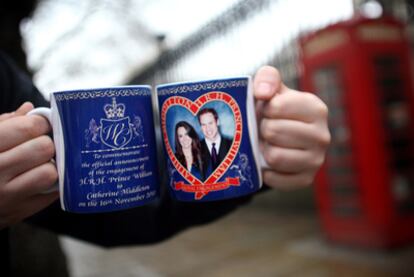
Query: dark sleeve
x,y
147,224
16,87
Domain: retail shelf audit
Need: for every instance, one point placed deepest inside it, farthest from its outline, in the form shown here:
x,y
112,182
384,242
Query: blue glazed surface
x,y
243,167
109,148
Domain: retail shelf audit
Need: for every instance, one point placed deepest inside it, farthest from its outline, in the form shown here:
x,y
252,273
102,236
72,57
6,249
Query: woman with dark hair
x,y
188,149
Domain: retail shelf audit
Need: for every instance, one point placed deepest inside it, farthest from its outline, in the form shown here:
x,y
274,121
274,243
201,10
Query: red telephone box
x,y
365,191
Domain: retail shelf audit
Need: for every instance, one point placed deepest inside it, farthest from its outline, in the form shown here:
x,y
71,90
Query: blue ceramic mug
x,y
210,138
105,147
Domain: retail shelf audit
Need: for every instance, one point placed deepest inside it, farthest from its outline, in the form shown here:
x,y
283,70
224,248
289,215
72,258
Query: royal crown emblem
x,y
117,129
114,110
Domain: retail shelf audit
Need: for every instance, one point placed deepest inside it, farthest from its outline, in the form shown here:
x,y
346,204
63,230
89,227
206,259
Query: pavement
x,y
276,235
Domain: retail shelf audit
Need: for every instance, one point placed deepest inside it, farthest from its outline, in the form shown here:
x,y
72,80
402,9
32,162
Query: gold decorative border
x,y
90,94
193,87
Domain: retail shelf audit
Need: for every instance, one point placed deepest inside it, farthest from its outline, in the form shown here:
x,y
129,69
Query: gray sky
x,y
74,44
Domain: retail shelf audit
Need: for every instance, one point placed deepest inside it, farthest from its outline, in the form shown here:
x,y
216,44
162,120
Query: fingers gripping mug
x,y
105,154
210,138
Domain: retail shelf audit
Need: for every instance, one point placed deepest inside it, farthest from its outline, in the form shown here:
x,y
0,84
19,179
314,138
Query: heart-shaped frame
x,y
211,183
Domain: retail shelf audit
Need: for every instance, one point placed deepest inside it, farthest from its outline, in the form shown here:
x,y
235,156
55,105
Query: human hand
x,y
25,167
293,131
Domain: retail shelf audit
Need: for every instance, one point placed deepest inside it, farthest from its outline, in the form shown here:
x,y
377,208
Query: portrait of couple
x,y
201,155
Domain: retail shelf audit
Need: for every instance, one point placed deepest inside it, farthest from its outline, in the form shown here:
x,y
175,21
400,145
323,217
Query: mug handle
x,y
46,113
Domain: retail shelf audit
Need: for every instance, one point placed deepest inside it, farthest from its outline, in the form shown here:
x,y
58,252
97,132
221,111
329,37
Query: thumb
x,y
267,82
24,108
